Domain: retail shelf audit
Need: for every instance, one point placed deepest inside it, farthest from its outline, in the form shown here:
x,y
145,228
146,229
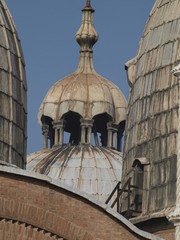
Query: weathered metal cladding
x,y
13,87
152,120
84,92
93,170
87,94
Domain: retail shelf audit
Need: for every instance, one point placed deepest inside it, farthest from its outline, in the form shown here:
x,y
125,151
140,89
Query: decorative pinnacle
x,y
87,35
88,4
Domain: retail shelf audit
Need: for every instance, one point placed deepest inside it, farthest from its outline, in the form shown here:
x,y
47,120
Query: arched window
x,y
120,133
138,176
72,126
48,131
100,129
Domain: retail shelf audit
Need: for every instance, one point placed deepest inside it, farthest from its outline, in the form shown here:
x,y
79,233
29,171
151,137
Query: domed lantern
x,y
83,104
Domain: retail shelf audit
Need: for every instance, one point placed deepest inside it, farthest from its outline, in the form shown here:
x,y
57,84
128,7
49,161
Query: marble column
x,y
45,131
86,131
112,131
61,132
110,134
56,126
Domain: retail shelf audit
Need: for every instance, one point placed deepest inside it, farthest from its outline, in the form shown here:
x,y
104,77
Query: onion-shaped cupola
x,y
84,103
13,97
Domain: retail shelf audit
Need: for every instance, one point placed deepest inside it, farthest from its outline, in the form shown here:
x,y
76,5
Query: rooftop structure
x,y
150,153
85,105
13,87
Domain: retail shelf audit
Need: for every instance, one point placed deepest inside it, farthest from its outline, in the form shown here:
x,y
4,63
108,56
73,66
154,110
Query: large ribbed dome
x,y
13,106
151,127
93,170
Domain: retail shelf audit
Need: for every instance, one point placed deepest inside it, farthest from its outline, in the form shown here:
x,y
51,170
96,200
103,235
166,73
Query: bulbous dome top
x,y
87,35
84,98
13,87
85,92
83,104
93,170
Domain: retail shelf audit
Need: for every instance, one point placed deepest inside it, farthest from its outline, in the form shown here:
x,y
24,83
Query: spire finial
x,y
88,4
86,36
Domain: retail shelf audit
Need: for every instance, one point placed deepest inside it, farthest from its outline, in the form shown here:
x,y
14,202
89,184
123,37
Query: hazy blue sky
x,y
47,30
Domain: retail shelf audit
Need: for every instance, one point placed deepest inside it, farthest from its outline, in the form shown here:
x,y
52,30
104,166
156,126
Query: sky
x,y
47,30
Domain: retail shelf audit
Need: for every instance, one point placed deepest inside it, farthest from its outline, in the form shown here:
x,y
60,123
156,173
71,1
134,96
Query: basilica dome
x,y
92,110
91,169
85,91
13,87
152,118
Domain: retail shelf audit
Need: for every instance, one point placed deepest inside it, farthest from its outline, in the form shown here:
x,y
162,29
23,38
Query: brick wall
x,y
159,226
167,234
37,207
14,230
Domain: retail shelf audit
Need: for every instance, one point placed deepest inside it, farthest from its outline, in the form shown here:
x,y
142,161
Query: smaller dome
x,y
93,170
84,103
84,92
93,111
87,94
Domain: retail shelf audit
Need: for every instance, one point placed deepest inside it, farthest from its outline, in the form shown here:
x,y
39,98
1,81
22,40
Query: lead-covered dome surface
x,y
152,118
84,92
13,106
93,170
87,94
84,105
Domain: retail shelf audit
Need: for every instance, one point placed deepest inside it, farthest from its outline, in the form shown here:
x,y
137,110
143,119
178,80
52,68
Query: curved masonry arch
x,y
57,209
